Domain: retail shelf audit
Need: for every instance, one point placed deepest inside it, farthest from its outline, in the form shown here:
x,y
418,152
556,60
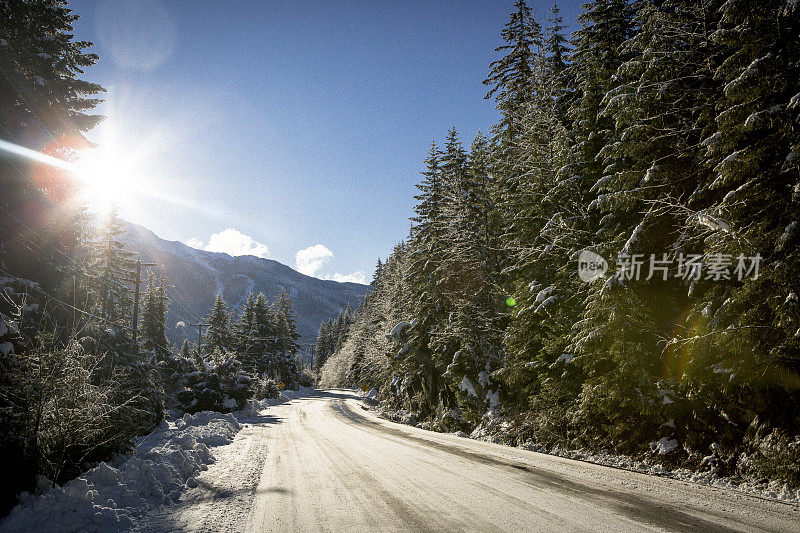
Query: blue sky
x,y
289,124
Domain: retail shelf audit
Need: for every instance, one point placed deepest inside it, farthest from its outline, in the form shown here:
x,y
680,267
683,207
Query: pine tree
x,y
43,102
246,324
452,281
321,347
558,80
511,77
186,350
265,343
287,365
377,274
331,337
45,105
341,326
154,318
749,326
114,265
513,80
534,204
218,336
426,354
248,339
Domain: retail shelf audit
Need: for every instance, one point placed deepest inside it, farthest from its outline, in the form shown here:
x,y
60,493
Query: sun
x,y
107,175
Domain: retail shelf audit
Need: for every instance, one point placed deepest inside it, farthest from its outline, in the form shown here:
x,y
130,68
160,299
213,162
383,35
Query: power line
x,y
183,303
32,285
199,327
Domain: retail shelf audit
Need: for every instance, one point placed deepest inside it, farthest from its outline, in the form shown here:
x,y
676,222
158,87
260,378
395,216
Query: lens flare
x,y
107,176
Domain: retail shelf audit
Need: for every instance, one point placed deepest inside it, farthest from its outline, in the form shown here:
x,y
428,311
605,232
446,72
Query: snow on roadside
x,y
106,498
492,429
289,394
664,445
773,490
219,498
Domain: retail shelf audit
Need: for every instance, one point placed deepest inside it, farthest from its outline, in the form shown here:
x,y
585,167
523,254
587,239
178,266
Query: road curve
x,y
333,466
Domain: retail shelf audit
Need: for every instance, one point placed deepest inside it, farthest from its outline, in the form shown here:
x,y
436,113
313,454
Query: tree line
x,y
659,140
331,336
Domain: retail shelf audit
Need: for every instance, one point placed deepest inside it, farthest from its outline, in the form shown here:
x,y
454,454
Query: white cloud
x,y
309,260
356,277
232,242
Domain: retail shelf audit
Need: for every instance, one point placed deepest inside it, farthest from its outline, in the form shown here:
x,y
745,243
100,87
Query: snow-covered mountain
x,y
196,276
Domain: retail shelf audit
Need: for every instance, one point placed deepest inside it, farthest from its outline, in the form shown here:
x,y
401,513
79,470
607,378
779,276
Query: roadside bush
x,y
173,370
64,418
266,389
777,457
219,386
306,378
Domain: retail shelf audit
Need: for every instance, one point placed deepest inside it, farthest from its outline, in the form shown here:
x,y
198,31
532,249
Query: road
x,y
324,463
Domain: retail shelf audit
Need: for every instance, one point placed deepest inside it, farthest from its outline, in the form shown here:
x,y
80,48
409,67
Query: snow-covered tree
x,y
286,365
218,335
154,318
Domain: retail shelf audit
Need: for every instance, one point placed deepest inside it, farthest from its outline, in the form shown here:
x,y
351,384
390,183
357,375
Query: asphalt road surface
x,y
330,465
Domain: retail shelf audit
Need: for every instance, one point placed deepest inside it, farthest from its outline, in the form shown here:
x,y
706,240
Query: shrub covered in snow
x,y
265,389
173,370
776,456
108,498
66,408
219,386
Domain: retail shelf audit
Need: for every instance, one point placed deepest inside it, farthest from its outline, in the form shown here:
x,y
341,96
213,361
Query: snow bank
x,y
108,499
289,394
254,407
496,428
493,427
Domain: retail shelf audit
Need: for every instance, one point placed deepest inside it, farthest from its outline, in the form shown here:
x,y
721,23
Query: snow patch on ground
x,y
467,386
664,445
287,395
493,398
108,499
219,498
565,358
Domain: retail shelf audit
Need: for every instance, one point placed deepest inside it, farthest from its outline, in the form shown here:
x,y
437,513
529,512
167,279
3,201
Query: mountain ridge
x,y
196,276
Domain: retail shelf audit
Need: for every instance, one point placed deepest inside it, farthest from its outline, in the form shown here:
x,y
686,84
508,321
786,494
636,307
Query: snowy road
x,y
329,465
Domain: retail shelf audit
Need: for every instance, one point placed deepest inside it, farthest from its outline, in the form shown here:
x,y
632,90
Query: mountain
x,y
196,276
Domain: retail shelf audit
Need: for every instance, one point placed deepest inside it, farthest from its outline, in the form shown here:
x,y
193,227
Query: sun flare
x,y
107,175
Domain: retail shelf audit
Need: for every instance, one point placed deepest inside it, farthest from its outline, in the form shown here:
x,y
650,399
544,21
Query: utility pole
x,y
139,266
199,334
